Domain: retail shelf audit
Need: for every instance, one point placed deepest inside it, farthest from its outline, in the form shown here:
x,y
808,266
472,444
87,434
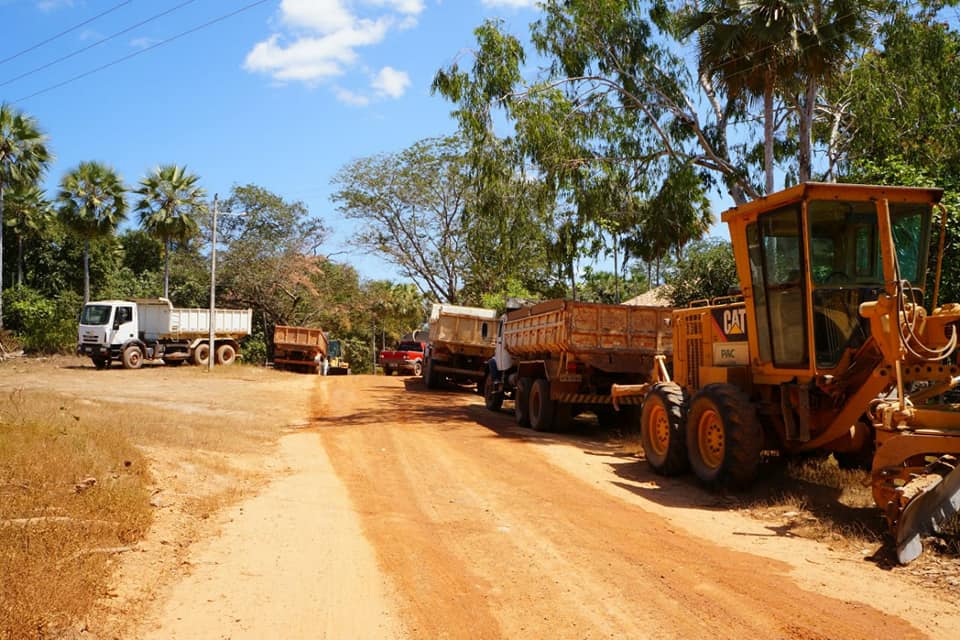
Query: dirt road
x,y
402,513
387,511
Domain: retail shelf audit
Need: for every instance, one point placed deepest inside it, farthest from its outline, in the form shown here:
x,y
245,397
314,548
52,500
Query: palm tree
x,y
92,204
28,213
169,199
749,47
828,31
23,157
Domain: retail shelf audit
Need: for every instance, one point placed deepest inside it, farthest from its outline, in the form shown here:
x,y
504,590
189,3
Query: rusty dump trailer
x,y
299,348
460,342
558,358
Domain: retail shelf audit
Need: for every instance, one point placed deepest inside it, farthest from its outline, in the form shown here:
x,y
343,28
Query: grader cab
x,y
836,342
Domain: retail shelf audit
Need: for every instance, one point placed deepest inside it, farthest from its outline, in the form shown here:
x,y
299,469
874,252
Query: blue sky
x,y
281,94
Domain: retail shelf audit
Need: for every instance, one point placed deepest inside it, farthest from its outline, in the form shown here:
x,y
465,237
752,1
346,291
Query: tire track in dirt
x,y
484,538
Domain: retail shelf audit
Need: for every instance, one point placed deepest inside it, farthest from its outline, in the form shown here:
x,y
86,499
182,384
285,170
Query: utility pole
x,y
213,283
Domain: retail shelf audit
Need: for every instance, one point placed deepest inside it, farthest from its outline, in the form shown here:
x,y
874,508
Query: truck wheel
x,y
724,438
132,357
541,406
429,376
101,363
521,402
418,368
491,397
201,355
662,429
226,354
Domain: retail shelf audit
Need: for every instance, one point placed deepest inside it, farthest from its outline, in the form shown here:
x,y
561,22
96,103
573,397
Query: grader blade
x,y
937,501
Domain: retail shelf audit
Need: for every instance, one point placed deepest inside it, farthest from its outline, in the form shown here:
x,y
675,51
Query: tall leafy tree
x,y
272,261
93,202
28,215
413,206
23,158
170,201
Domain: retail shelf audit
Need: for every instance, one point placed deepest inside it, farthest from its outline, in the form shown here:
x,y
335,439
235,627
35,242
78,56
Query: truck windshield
x,y
333,349
96,314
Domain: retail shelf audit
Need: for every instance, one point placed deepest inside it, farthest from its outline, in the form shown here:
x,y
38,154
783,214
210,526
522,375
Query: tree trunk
x,y
86,271
19,260
806,129
1,255
166,269
768,133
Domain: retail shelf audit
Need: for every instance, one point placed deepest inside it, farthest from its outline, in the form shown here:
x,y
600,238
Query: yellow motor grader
x,y
835,342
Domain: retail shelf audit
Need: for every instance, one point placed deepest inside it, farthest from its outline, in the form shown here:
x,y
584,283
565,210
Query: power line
x,y
64,32
141,51
97,43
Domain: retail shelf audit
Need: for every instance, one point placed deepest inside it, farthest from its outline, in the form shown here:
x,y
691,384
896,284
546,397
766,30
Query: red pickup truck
x,y
407,357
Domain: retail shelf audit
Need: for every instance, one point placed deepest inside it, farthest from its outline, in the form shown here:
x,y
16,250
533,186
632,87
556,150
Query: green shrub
x,y
43,324
254,349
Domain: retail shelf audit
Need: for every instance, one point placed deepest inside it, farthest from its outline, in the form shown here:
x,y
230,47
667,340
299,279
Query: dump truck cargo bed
x,y
606,335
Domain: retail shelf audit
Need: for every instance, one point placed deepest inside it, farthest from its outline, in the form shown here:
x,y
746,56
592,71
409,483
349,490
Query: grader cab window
x,y
777,258
847,267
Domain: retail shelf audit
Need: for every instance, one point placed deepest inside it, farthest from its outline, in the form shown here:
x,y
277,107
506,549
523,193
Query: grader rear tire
x,y
662,430
724,437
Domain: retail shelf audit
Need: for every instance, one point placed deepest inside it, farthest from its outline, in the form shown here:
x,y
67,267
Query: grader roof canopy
x,y
828,191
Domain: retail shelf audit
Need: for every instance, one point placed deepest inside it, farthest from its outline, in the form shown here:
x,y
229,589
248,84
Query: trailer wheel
x,y
724,438
132,357
101,363
201,355
491,397
662,429
226,354
418,368
521,402
541,406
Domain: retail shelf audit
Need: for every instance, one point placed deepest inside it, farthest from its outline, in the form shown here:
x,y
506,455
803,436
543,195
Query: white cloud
x,y
349,97
143,43
321,39
511,4
53,5
390,82
312,59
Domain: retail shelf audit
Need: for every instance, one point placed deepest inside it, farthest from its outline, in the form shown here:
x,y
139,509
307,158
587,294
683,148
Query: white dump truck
x,y
131,331
460,341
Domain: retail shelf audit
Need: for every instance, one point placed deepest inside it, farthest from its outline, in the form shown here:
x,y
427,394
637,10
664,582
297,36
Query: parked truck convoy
x,y
307,349
460,342
131,331
559,358
836,343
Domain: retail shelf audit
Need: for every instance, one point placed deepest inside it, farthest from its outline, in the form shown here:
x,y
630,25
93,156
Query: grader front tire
x,y
724,437
662,430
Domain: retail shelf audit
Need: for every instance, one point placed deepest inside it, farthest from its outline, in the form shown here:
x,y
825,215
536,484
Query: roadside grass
x,y
72,494
189,446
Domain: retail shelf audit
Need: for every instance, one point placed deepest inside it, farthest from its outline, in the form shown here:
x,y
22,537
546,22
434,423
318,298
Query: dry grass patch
x,y
73,495
168,449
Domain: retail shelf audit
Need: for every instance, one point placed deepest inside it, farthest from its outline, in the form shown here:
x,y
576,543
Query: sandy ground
x,y
392,512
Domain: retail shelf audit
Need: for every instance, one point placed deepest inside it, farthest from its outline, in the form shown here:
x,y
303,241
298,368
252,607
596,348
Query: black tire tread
x,y
676,461
743,437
